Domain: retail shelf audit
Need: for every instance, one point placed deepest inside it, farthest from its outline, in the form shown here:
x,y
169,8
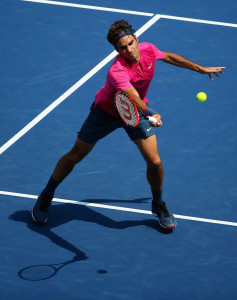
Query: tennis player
x,y
131,72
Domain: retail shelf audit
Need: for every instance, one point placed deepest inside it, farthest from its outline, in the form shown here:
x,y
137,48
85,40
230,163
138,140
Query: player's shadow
x,y
63,213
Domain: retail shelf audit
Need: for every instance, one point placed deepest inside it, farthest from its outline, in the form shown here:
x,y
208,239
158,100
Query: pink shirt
x,y
121,76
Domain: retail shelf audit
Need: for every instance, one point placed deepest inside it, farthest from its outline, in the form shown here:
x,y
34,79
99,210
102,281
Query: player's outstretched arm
x,y
179,61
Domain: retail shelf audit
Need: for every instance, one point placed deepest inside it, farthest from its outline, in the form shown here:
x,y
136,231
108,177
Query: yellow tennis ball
x,y
201,97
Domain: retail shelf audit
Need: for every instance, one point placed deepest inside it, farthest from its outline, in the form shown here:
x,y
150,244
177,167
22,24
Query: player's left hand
x,y
210,70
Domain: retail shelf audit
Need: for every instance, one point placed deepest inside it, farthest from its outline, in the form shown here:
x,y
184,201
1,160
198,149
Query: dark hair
x,y
115,28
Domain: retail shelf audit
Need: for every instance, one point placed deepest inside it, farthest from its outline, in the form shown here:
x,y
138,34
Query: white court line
x,y
133,210
198,21
71,90
132,12
58,101
122,11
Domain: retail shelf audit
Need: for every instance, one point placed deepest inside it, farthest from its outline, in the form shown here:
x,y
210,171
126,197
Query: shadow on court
x,y
64,213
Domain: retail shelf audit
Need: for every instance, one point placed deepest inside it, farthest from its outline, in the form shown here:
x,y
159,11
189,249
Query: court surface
x,y
101,237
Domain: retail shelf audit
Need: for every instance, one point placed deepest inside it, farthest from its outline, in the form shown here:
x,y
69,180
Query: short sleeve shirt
x,y
122,75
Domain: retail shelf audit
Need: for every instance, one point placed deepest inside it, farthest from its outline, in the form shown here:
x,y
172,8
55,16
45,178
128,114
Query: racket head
x,y
126,109
37,272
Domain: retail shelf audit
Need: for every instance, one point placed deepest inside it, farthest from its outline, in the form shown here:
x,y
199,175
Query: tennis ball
x,y
201,97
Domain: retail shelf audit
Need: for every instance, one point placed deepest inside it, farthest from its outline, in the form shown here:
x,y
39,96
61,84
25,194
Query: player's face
x,y
128,48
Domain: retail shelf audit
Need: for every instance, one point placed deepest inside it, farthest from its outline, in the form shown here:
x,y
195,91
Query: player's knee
x,y
78,153
76,156
155,163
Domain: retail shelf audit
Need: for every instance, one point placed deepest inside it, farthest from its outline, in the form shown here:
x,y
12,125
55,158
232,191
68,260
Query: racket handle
x,y
151,119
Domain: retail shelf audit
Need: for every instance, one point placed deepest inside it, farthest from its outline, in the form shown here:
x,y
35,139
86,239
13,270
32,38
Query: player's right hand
x,y
158,123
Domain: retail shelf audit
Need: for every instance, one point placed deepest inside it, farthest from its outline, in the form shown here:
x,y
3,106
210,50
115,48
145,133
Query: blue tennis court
x,y
101,241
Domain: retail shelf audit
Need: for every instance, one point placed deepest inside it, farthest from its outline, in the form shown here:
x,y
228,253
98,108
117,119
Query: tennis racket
x,y
128,111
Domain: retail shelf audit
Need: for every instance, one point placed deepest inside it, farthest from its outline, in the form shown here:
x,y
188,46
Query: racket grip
x,y
151,119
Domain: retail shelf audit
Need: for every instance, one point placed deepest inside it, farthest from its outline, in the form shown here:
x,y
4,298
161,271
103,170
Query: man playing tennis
x,y
131,72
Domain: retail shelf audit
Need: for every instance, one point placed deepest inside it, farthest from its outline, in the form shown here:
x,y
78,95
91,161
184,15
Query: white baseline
x,y
133,210
123,11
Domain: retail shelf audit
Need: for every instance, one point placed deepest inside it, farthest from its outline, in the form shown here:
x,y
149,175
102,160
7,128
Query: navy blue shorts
x,y
100,123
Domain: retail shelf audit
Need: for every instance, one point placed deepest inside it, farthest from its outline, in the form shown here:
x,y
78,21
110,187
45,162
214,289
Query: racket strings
x,y
127,110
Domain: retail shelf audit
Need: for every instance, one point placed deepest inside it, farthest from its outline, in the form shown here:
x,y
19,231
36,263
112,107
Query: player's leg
x,y
63,168
155,175
66,164
155,172
98,124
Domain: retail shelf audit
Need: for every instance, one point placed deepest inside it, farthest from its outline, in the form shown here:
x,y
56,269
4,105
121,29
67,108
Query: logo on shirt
x,y
150,66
